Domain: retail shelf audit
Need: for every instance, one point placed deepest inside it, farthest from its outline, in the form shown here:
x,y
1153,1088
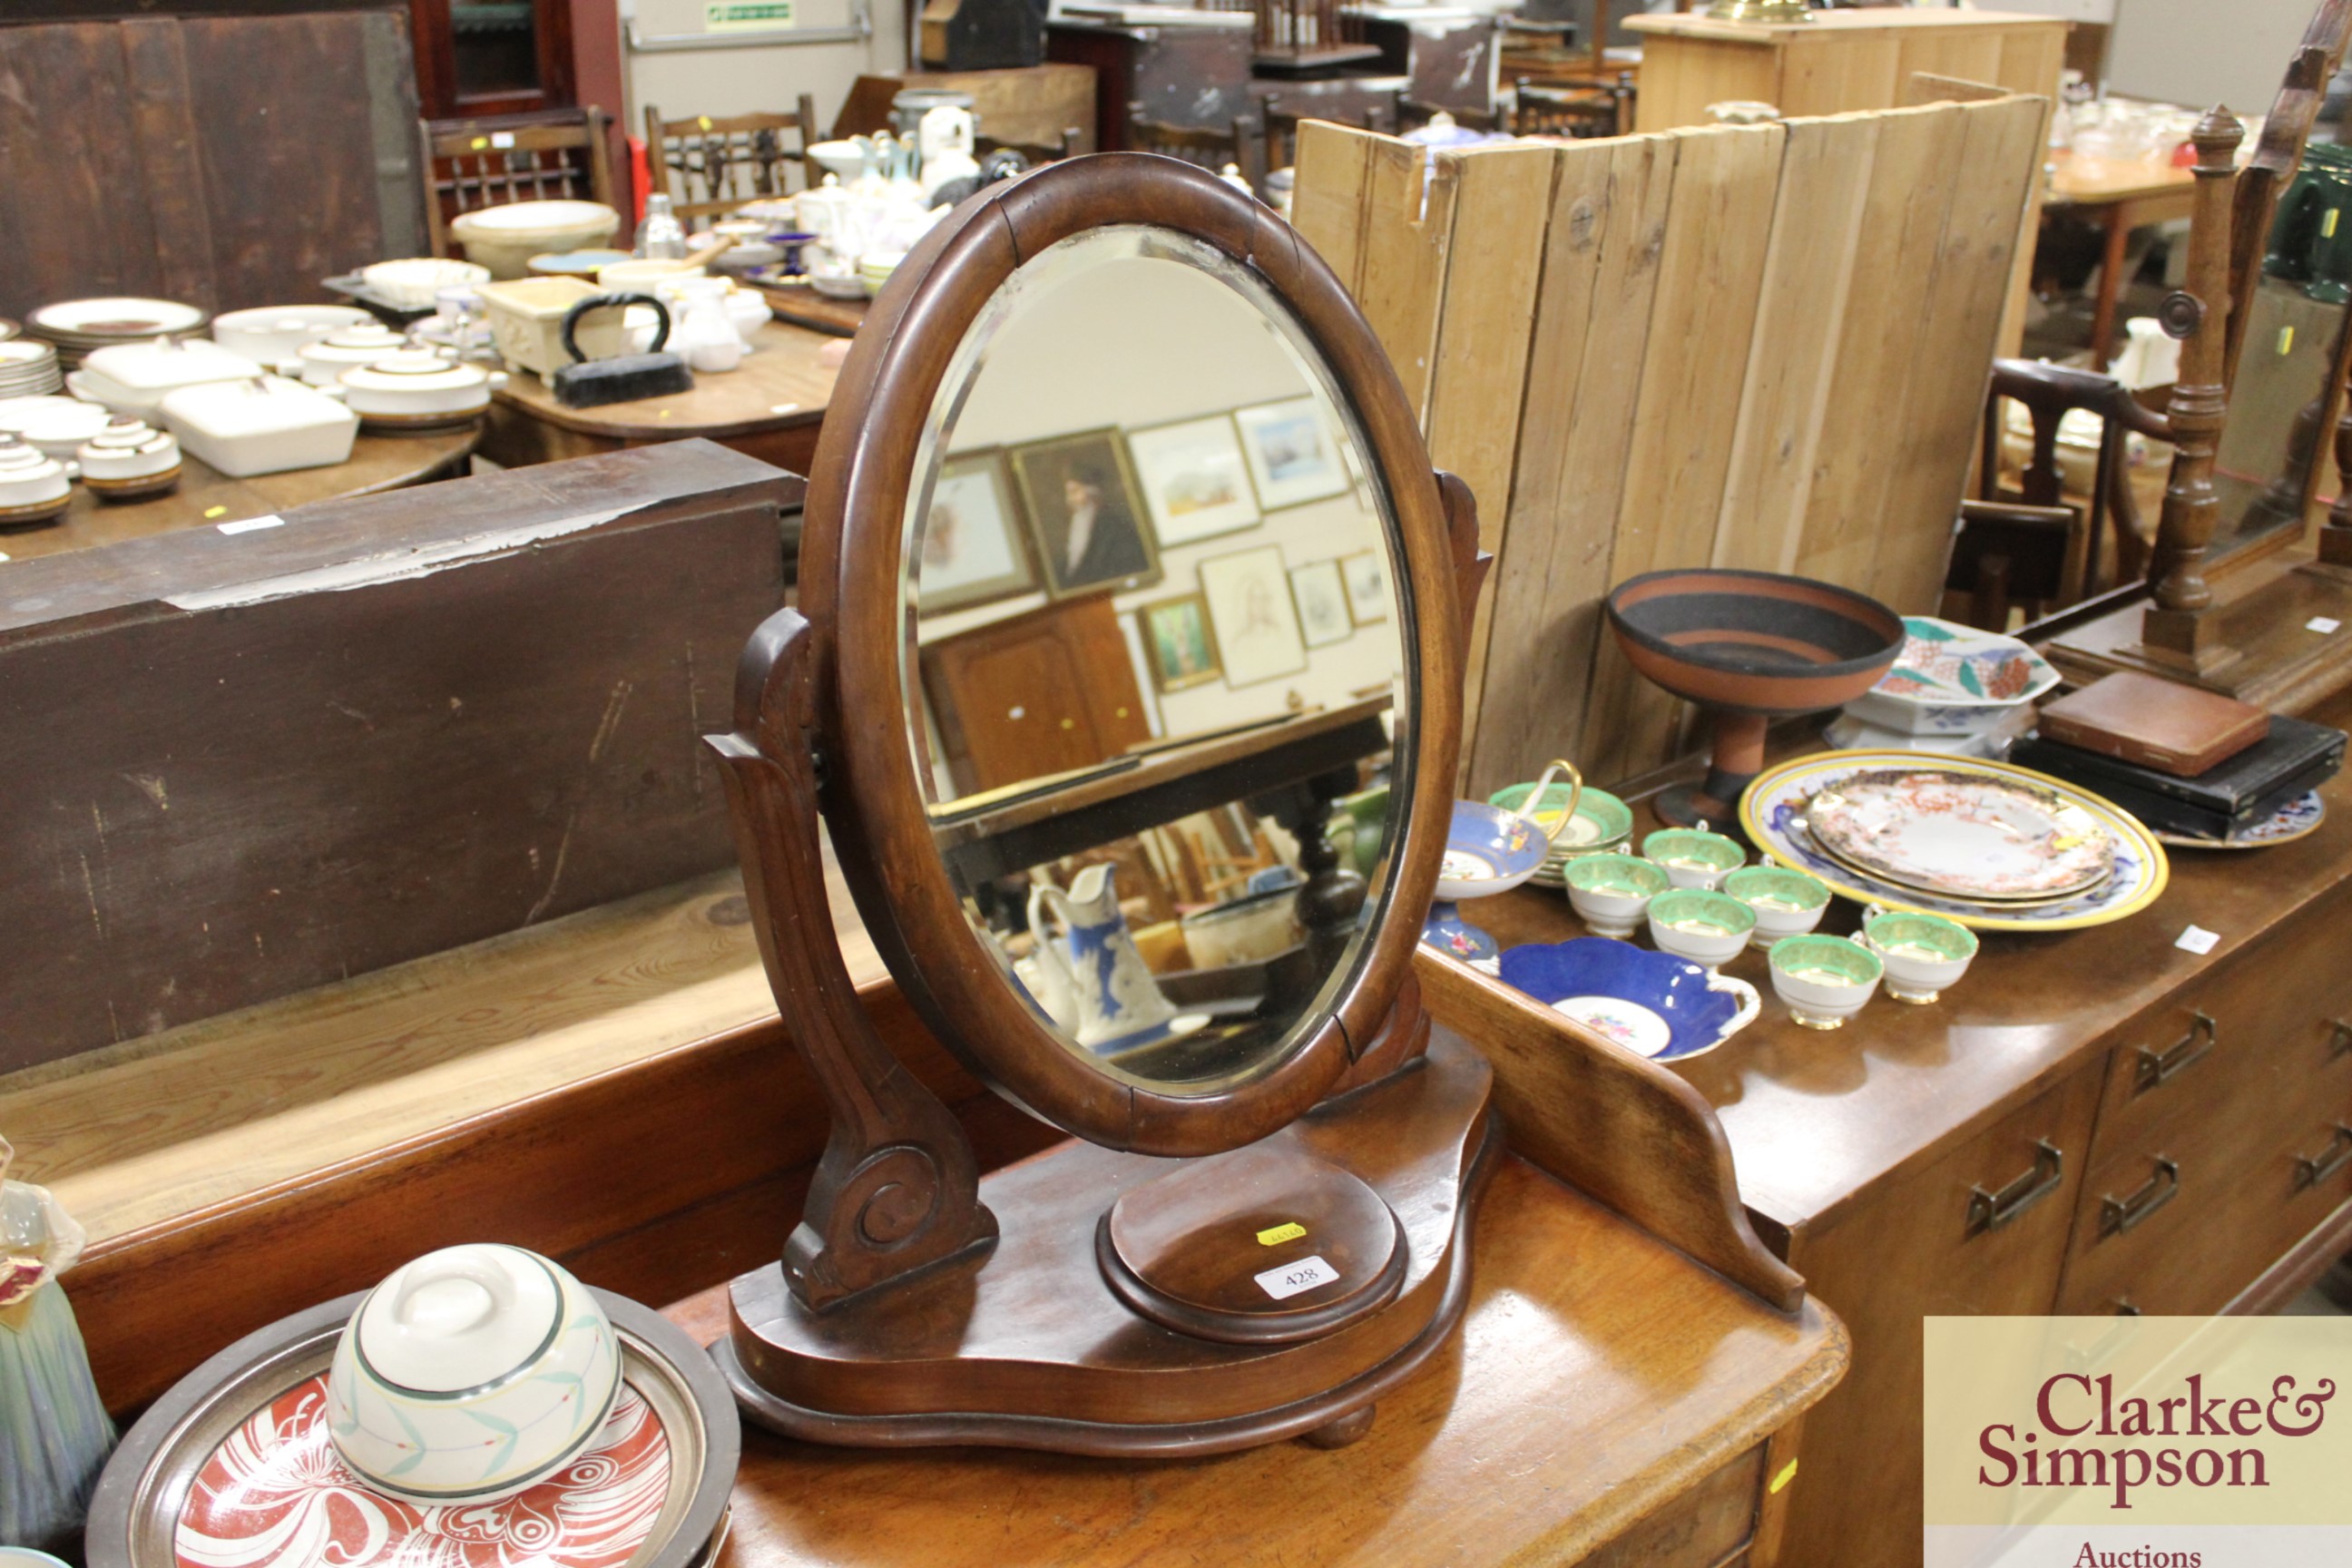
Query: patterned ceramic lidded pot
x,y
470,1375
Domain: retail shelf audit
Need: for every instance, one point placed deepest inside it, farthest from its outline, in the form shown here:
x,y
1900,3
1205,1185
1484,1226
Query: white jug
x,y
1107,986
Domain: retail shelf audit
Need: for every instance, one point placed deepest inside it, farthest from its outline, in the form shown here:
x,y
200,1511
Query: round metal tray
x,y
136,1511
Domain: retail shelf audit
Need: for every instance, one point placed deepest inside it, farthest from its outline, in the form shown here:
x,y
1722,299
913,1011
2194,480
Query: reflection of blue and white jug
x,y
1093,968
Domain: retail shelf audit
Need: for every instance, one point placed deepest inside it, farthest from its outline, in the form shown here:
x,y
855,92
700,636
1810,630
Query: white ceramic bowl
x,y
272,334
56,425
505,239
1692,858
1787,904
1824,980
1923,953
1612,892
1708,929
411,282
470,1374
1246,930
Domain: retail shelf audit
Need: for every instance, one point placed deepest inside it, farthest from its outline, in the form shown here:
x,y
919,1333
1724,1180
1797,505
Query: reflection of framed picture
x,y
1293,455
1366,574
1178,643
1322,601
1194,479
1084,514
974,550
1250,610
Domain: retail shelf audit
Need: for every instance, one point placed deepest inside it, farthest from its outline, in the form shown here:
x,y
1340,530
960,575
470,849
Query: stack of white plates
x,y
78,326
28,368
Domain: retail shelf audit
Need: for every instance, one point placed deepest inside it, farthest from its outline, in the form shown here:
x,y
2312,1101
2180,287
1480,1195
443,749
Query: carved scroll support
x,y
897,1189
2176,630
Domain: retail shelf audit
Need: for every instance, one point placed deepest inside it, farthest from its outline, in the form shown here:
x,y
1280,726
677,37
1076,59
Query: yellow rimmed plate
x,y
1772,811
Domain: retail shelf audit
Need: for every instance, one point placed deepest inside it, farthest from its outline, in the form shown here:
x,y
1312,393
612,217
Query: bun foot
x,y
1339,1433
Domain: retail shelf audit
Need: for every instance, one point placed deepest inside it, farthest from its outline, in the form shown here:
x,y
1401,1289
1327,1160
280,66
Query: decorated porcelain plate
x,y
1772,811
1488,850
1960,834
1653,1003
117,317
233,1469
2290,822
1948,675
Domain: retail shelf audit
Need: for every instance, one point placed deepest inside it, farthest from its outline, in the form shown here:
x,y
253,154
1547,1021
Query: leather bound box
x,y
2295,756
2159,724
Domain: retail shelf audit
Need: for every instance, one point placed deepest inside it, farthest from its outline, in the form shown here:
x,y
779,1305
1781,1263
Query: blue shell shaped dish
x,y
1653,1003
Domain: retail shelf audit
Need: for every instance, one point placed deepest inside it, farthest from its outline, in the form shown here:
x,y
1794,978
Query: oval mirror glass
x,y
1155,654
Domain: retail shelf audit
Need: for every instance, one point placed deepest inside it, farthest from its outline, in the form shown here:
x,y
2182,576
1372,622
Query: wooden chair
x,y
714,165
1412,114
1210,147
491,161
1282,126
1580,110
2006,555
2048,393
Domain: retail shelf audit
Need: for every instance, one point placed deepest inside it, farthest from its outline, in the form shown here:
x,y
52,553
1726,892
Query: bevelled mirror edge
x,y
851,568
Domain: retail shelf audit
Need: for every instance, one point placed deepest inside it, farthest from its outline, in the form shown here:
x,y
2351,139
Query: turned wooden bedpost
x,y
2199,316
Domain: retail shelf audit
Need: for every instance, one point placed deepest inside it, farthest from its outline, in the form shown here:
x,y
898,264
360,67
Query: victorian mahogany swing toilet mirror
x,y
1112,430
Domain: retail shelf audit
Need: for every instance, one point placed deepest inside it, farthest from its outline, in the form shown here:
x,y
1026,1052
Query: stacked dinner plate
x,y
77,326
1988,845
28,368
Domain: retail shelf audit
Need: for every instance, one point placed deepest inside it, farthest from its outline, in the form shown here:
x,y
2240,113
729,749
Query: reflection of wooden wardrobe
x,y
1034,694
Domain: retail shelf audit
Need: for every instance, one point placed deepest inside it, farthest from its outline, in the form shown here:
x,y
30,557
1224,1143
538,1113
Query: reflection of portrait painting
x,y
1194,479
1322,601
973,552
1366,574
1176,637
1251,611
1294,454
1083,511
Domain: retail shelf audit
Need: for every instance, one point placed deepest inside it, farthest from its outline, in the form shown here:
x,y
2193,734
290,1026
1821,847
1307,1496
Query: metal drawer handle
x,y
2339,1038
2158,1066
2117,1215
2338,1154
1990,1211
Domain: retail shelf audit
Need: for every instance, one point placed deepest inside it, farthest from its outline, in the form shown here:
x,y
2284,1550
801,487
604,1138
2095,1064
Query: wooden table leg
x,y
2111,283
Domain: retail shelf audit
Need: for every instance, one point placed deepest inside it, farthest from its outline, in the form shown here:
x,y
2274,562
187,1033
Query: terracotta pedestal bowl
x,y
1749,647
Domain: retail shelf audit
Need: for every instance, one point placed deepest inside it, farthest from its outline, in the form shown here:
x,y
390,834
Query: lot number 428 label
x,y
1292,1277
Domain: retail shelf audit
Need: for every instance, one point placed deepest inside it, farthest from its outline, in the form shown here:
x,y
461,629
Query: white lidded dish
x,y
128,459
324,361
272,334
34,487
268,425
417,390
57,425
132,378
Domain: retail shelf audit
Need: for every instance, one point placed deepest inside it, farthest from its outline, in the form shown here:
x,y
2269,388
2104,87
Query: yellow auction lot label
x,y
2137,1442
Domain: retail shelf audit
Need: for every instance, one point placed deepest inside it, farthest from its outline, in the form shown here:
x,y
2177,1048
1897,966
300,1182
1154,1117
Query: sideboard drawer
x,y
2207,1056
2182,1217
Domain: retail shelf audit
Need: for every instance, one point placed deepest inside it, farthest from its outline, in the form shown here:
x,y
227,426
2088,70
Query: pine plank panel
x,y
2001,158
1910,190
1328,200
1703,320
1501,205
1708,71
1971,54
1809,270
1408,242
1575,431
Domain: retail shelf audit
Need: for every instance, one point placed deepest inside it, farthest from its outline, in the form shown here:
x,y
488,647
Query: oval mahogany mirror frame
x,y
850,587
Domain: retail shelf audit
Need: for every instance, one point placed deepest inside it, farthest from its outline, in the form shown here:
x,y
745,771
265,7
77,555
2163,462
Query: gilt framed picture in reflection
x,y
1366,574
1294,455
974,550
1252,614
1178,643
1194,479
1322,601
1085,514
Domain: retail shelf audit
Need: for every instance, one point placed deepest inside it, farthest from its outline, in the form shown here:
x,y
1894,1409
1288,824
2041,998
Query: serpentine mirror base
x,y
1037,1350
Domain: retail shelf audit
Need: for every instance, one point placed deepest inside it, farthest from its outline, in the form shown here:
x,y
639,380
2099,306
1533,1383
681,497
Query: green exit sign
x,y
740,16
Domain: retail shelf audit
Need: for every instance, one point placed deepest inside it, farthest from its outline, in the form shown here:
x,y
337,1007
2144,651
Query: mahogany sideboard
x,y
2091,1121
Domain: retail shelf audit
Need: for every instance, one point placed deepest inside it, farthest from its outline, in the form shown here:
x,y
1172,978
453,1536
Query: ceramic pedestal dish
x,y
1488,850
1749,647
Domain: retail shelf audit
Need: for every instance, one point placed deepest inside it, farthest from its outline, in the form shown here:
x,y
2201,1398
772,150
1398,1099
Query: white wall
x,y
719,81
2204,52
1137,343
